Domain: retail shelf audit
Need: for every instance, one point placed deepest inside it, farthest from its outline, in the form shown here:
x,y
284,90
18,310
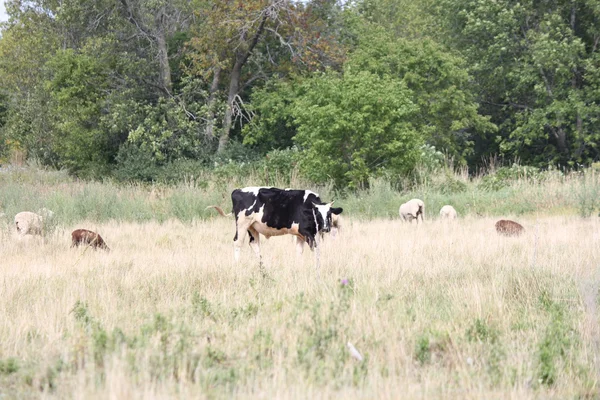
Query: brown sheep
x,y
509,228
84,236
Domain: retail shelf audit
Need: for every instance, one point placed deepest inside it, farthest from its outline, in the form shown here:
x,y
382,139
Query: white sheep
x,y
29,223
448,212
412,209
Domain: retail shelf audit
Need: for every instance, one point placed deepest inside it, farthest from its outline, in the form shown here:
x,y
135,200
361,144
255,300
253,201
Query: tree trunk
x,y
234,83
234,86
163,60
561,141
581,140
212,99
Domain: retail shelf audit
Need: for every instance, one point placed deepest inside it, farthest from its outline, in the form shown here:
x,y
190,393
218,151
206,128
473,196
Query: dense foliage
x,y
343,91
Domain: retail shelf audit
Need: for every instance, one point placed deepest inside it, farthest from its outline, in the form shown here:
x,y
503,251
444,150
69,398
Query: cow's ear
x,y
336,211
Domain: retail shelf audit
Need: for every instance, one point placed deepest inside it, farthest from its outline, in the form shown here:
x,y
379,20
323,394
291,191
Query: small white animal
x,y
448,212
28,223
412,209
354,352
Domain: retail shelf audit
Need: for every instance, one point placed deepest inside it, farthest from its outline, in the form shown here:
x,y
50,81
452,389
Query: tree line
x,y
344,90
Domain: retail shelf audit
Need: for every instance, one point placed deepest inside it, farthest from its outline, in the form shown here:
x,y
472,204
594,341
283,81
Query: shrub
x,y
279,165
422,351
8,366
135,163
504,176
355,126
481,331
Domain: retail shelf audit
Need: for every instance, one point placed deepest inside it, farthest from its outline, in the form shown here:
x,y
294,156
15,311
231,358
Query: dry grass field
x,y
445,310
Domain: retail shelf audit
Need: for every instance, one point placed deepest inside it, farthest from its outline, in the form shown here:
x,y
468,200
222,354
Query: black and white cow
x,y
275,212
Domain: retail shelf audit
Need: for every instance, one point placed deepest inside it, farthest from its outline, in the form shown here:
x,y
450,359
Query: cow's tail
x,y
219,210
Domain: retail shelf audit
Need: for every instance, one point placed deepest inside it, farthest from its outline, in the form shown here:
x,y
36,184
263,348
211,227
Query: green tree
x,y
28,40
448,116
156,22
354,126
238,43
77,85
536,67
274,125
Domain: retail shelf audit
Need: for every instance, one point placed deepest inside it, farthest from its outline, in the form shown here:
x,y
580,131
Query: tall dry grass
x,y
439,311
542,193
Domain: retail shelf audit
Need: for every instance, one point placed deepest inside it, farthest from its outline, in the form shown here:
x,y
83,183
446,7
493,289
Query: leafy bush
x,y
235,152
9,366
273,126
481,331
448,183
354,126
504,176
431,159
135,163
188,171
278,166
557,341
422,351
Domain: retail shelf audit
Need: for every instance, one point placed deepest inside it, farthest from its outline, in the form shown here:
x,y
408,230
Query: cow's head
x,y
322,214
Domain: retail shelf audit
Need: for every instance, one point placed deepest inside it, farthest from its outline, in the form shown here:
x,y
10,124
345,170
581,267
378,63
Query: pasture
x,y
445,310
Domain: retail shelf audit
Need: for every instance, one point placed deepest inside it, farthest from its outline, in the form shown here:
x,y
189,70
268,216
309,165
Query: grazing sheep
x,y
87,237
448,212
509,228
29,223
412,209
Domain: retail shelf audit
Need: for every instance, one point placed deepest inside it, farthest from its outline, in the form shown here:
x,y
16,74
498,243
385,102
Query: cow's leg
x,y
299,245
255,242
317,249
240,234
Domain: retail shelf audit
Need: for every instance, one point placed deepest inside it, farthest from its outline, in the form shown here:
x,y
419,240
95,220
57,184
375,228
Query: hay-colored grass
x,y
443,310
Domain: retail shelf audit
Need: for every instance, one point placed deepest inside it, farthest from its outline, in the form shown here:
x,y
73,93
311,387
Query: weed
x,y
9,366
422,350
481,331
556,342
201,306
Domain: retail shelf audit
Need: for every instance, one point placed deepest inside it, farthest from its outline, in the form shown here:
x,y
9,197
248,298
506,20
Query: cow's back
x,y
278,208
282,208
